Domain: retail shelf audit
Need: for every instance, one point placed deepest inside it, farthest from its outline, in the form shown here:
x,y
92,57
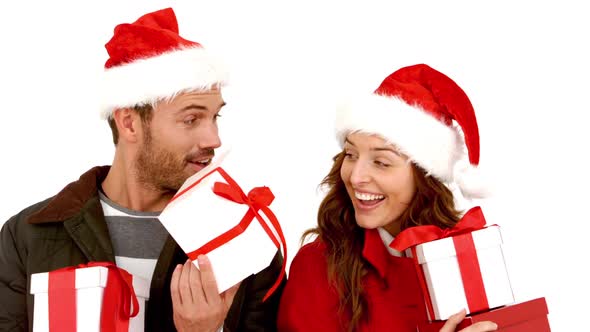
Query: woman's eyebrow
x,y
390,149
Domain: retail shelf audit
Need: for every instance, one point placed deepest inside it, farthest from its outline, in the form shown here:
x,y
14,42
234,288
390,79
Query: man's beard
x,y
161,169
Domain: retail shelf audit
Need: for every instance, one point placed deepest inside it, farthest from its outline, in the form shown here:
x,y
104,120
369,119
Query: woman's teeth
x,y
367,197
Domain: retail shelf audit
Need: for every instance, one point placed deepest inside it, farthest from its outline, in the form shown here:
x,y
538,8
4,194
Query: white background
x,y
524,66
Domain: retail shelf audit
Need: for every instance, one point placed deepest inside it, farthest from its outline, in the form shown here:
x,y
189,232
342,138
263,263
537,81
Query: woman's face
x,y
378,179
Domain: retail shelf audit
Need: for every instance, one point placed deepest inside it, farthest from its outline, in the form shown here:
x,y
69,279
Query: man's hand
x,y
196,302
454,320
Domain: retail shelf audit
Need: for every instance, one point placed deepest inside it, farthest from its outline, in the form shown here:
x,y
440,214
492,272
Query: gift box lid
x,y
445,248
506,316
88,277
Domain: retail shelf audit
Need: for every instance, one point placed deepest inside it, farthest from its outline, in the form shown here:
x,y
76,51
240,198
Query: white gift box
x,y
441,271
197,215
90,283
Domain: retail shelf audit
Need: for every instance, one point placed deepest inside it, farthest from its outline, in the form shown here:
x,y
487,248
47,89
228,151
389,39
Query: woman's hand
x,y
454,320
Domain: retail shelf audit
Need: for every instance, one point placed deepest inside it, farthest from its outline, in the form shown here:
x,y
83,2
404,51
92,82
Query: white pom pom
x,y
472,182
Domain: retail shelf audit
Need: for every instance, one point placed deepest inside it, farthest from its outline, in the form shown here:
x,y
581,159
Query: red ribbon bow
x,y
119,301
258,199
471,221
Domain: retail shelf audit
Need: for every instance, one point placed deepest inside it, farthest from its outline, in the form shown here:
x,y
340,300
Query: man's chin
x,y
173,184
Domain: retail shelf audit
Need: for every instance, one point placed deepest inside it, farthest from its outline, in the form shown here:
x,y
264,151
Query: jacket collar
x,y
375,251
71,199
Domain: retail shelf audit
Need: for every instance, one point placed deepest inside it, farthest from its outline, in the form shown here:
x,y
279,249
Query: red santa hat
x,y
428,117
149,61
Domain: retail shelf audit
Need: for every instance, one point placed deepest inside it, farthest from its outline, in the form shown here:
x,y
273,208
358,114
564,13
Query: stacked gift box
x,y
463,267
529,316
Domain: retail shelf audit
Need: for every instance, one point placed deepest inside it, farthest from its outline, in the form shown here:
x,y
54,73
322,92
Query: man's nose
x,y
209,137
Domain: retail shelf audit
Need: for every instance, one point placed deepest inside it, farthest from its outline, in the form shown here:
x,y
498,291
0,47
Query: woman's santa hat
x,y
149,61
416,109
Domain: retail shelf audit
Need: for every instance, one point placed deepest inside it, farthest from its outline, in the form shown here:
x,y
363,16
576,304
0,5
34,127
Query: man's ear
x,y
128,124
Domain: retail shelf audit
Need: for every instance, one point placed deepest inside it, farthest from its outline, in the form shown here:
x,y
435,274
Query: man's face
x,y
179,140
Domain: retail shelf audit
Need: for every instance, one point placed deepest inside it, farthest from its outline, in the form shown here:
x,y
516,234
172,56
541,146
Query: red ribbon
x,y
471,221
258,199
466,255
119,301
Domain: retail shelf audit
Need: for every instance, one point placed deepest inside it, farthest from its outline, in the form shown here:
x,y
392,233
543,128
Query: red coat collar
x,y
376,252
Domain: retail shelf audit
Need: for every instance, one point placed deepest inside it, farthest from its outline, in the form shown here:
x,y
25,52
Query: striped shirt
x,y
137,237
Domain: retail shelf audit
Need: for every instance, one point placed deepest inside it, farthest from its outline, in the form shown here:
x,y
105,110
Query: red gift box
x,y
521,317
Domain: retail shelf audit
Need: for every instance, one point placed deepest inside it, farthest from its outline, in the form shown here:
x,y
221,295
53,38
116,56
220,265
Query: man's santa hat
x,y
428,117
149,61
